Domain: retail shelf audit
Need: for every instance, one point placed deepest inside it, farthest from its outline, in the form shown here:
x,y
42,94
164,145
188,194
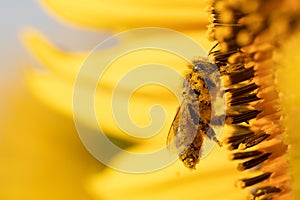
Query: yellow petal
x,y
124,14
58,94
67,64
41,154
61,63
56,87
212,180
53,91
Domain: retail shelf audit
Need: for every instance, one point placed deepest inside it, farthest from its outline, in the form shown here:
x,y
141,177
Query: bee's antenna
x,y
211,50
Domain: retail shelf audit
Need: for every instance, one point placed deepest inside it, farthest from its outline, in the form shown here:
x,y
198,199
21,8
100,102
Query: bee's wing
x,y
184,127
173,131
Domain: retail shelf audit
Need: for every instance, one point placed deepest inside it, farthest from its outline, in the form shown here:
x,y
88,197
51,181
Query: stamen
x,y
243,155
253,162
252,181
243,100
234,67
244,116
235,92
242,75
250,141
237,138
223,56
264,191
256,139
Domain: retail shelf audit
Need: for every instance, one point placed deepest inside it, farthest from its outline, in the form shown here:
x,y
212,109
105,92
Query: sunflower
x,y
216,174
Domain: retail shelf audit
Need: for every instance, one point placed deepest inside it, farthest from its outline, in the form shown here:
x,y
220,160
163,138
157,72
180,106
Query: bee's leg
x,y
211,135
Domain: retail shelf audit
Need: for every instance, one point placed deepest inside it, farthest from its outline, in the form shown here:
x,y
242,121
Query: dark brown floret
x,y
264,192
244,116
253,162
236,92
244,155
254,180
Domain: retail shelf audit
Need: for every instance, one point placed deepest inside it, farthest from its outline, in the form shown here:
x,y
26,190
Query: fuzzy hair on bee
x,y
193,120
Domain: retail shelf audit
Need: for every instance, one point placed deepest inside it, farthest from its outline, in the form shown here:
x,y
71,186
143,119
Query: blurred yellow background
x,y
41,154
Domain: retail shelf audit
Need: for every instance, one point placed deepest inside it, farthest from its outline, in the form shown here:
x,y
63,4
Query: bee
x,y
192,122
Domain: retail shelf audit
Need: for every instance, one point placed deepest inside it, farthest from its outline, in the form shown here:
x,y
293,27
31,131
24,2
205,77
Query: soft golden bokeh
x,y
209,181
116,15
45,158
288,75
41,154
